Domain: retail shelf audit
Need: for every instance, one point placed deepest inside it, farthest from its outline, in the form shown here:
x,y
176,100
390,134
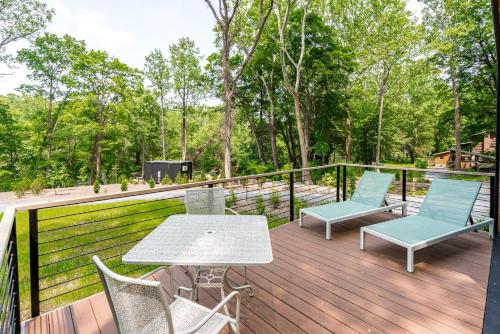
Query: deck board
x,y
320,286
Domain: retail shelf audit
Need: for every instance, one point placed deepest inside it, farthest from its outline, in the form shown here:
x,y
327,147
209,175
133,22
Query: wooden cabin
x,y
469,159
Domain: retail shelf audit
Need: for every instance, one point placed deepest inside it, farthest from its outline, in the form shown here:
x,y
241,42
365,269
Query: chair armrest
x,y
216,309
183,288
231,210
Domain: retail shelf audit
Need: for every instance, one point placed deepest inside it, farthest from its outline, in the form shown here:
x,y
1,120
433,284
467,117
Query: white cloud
x,y
90,25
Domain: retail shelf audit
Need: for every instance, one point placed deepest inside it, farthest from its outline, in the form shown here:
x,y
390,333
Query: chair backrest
x,y
210,201
450,201
372,188
138,306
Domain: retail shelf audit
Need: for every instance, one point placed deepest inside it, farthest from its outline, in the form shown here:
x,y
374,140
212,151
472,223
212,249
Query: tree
x,y
21,19
446,25
229,17
50,59
187,76
103,81
286,62
157,72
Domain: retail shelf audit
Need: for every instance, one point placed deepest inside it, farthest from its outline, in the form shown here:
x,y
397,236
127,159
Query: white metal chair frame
x,y
233,322
210,277
411,248
383,206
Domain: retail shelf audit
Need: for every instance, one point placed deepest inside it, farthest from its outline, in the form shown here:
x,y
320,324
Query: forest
x,y
296,83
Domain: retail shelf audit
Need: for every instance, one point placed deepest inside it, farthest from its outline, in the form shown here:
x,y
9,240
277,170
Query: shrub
x,y
199,176
38,185
286,177
124,185
180,178
151,183
259,205
421,164
297,205
275,199
397,176
231,199
97,187
20,188
261,181
166,180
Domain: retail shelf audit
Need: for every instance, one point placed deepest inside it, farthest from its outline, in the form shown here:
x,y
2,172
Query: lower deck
x,y
320,286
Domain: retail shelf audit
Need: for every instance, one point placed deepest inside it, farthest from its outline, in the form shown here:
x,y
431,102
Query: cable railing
x,y
64,235
10,317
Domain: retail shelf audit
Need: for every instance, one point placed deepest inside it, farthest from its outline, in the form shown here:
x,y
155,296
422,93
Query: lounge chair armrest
x,y
215,310
231,210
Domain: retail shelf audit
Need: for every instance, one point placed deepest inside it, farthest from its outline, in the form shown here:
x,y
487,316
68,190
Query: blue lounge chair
x,y
368,198
444,213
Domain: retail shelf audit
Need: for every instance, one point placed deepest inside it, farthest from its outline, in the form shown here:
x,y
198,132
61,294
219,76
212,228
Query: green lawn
x,y
69,236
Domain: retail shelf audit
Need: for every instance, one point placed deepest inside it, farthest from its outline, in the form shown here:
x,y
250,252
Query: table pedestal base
x,y
213,277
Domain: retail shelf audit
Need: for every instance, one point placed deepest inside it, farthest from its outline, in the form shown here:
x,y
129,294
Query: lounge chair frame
x,y
329,222
411,248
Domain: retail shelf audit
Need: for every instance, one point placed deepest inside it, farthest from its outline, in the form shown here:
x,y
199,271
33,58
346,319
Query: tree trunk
x,y
258,139
348,138
272,137
302,139
456,105
228,124
162,129
184,128
49,129
379,126
272,122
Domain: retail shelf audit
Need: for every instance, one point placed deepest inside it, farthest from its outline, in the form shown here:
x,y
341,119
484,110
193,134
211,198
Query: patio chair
x,y
141,306
209,201
368,198
444,213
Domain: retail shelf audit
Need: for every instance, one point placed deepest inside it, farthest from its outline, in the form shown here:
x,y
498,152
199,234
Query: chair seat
x,y
185,315
413,229
338,210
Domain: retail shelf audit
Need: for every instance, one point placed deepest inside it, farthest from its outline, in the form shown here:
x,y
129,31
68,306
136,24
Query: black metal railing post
x,y
292,207
338,183
15,280
492,203
344,183
34,266
403,186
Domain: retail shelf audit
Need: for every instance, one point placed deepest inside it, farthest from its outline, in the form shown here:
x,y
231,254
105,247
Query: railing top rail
x,y
6,224
437,171
82,200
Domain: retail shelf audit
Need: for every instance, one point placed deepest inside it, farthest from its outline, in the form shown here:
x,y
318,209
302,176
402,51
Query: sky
x,y
128,29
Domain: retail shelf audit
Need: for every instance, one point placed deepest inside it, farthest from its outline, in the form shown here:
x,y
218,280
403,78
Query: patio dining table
x,y
212,244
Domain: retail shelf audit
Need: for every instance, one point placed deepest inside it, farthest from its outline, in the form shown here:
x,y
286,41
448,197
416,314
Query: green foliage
x,y
181,178
298,203
97,186
38,185
199,176
231,199
21,186
244,183
275,199
286,177
166,180
151,183
124,185
421,164
260,207
21,19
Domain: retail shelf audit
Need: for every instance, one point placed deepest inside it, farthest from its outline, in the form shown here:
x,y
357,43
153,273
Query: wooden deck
x,y
320,286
